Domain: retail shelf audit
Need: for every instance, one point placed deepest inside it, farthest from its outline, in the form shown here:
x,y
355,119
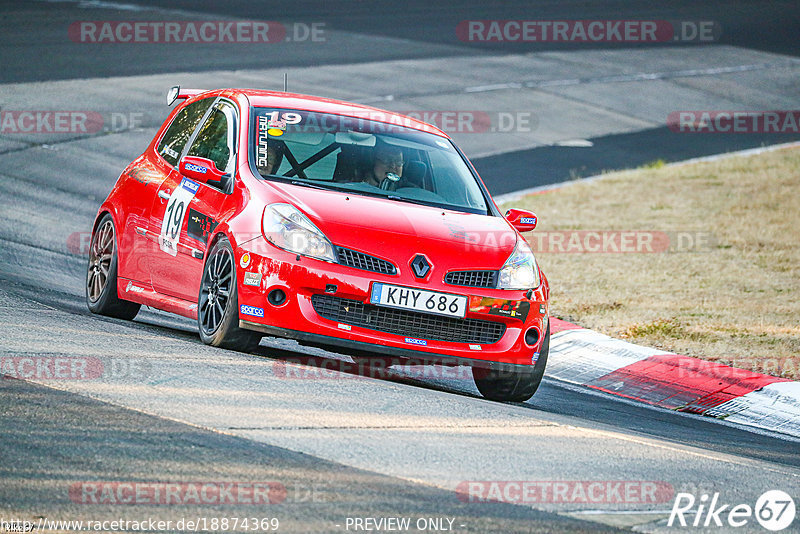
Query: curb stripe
x,y
558,325
774,407
681,382
672,381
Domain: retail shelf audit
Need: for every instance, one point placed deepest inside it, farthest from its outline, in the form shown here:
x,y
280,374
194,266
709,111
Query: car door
x,y
144,177
185,211
151,173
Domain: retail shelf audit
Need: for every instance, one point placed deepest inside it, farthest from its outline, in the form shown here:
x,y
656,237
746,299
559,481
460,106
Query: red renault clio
x,y
334,224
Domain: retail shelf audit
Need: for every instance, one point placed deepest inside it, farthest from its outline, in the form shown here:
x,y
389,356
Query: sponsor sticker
x,y
130,288
251,310
252,279
244,261
190,185
200,225
174,215
272,124
196,168
344,326
518,309
414,341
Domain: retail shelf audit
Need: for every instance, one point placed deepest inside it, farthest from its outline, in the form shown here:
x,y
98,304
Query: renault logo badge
x,y
421,266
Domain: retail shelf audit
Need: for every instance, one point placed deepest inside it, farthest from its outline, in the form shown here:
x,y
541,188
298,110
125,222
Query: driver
x,y
387,163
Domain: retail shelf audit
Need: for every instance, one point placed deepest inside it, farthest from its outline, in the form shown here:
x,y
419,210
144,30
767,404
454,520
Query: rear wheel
x,y
101,275
218,303
513,385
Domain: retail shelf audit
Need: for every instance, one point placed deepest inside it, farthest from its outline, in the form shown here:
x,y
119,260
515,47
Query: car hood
x,y
399,230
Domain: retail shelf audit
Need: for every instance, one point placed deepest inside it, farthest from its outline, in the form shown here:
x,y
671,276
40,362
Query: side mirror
x,y
200,169
522,220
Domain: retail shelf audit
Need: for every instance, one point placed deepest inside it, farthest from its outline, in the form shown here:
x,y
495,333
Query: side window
x,y
215,139
181,129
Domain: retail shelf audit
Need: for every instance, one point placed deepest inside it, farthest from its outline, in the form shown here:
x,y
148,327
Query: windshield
x,y
362,156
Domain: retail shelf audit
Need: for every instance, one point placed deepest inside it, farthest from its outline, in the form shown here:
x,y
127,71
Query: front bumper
x,y
295,317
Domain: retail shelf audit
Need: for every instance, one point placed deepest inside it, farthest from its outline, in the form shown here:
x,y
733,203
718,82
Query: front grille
x,y
359,260
472,278
407,323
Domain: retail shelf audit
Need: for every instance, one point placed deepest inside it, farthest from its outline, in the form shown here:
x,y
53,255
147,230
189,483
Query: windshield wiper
x,y
411,201
309,184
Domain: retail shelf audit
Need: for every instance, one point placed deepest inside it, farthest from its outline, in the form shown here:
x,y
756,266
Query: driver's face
x,y
386,162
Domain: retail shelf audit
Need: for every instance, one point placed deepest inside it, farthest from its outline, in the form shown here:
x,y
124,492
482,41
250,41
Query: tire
x,y
101,274
513,385
218,303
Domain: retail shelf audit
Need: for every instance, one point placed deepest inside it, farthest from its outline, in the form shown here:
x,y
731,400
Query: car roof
x,y
277,99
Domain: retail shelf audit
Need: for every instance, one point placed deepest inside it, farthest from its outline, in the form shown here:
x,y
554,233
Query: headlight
x,y
286,227
520,270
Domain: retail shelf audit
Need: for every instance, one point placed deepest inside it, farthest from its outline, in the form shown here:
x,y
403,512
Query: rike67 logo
x,y
774,510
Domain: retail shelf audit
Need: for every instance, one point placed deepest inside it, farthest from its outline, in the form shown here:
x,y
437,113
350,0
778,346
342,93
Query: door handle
x,y
164,195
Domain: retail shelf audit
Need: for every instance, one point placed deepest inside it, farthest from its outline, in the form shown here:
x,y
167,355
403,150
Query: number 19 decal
x,y
177,207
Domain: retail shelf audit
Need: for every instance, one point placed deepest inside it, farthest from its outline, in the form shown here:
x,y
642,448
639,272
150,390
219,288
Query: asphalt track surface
x,y
170,409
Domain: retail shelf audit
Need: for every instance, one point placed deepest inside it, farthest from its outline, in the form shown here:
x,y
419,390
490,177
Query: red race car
x,y
334,224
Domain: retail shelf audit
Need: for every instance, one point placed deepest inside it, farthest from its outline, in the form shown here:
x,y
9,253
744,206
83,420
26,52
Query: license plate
x,y
408,298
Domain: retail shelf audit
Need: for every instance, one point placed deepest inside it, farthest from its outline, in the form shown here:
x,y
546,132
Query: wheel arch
x,y
107,208
222,231
99,217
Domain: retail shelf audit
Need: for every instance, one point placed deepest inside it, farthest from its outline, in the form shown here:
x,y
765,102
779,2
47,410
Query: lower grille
x,y
407,323
472,278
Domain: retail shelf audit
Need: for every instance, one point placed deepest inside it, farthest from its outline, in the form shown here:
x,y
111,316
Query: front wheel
x,y
101,275
513,385
218,303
